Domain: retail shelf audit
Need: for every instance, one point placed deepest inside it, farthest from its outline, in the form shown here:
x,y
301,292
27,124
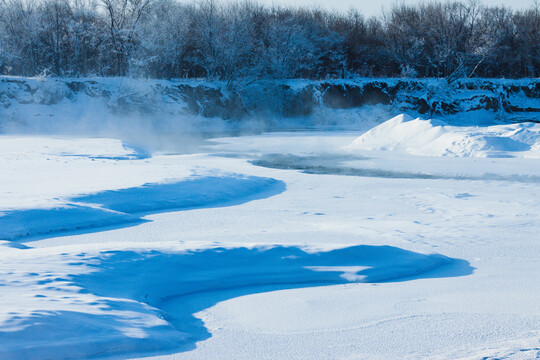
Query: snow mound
x,y
436,138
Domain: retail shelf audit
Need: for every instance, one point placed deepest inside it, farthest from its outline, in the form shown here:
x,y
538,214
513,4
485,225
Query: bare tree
x,y
122,19
247,41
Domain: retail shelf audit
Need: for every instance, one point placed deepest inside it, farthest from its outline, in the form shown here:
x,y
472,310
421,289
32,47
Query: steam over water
x,y
333,165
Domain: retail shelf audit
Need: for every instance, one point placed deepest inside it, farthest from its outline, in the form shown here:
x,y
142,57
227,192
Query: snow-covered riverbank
x,y
128,107
304,245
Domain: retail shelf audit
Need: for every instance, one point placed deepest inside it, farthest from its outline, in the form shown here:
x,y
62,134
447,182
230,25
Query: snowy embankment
x,y
119,207
131,108
437,138
129,206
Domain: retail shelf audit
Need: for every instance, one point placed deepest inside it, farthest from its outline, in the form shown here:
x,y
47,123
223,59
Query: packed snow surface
x,y
436,138
280,245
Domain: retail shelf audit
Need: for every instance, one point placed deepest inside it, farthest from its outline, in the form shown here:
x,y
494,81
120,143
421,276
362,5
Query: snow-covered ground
x,y
414,240
436,138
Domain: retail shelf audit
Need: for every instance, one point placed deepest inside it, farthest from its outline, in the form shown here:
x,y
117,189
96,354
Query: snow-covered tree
x,y
246,41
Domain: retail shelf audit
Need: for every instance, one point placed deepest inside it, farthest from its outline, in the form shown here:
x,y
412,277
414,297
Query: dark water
x,y
333,165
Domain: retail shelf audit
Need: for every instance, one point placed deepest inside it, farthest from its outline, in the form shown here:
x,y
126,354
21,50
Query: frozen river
x,y
299,245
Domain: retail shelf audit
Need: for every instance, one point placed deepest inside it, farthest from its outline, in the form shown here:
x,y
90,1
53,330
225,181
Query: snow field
x,y
434,267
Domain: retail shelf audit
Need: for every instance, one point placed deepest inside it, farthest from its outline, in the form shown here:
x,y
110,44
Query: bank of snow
x,y
63,303
437,138
52,185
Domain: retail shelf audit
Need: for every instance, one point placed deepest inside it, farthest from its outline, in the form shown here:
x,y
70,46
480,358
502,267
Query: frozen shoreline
x,y
60,291
124,107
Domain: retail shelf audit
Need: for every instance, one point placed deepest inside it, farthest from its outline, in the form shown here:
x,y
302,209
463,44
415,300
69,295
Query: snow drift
x,y
126,207
134,302
437,138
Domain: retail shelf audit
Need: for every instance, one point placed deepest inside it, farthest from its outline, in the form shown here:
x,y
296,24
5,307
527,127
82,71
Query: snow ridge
x,y
127,207
437,138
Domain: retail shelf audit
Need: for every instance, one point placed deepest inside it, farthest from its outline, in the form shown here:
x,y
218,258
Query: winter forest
x,y
245,41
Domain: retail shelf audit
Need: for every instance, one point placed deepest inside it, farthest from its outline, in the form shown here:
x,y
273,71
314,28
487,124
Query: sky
x,y
373,7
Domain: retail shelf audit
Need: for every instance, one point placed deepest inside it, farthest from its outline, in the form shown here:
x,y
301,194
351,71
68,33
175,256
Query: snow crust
x,y
437,138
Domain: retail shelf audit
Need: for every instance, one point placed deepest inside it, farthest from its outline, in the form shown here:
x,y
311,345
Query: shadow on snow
x,y
127,207
172,287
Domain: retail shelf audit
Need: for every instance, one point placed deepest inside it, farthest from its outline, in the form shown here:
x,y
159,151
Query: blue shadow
x,y
175,286
127,207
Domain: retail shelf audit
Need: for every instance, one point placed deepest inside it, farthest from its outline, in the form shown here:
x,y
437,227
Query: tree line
x,y
233,41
